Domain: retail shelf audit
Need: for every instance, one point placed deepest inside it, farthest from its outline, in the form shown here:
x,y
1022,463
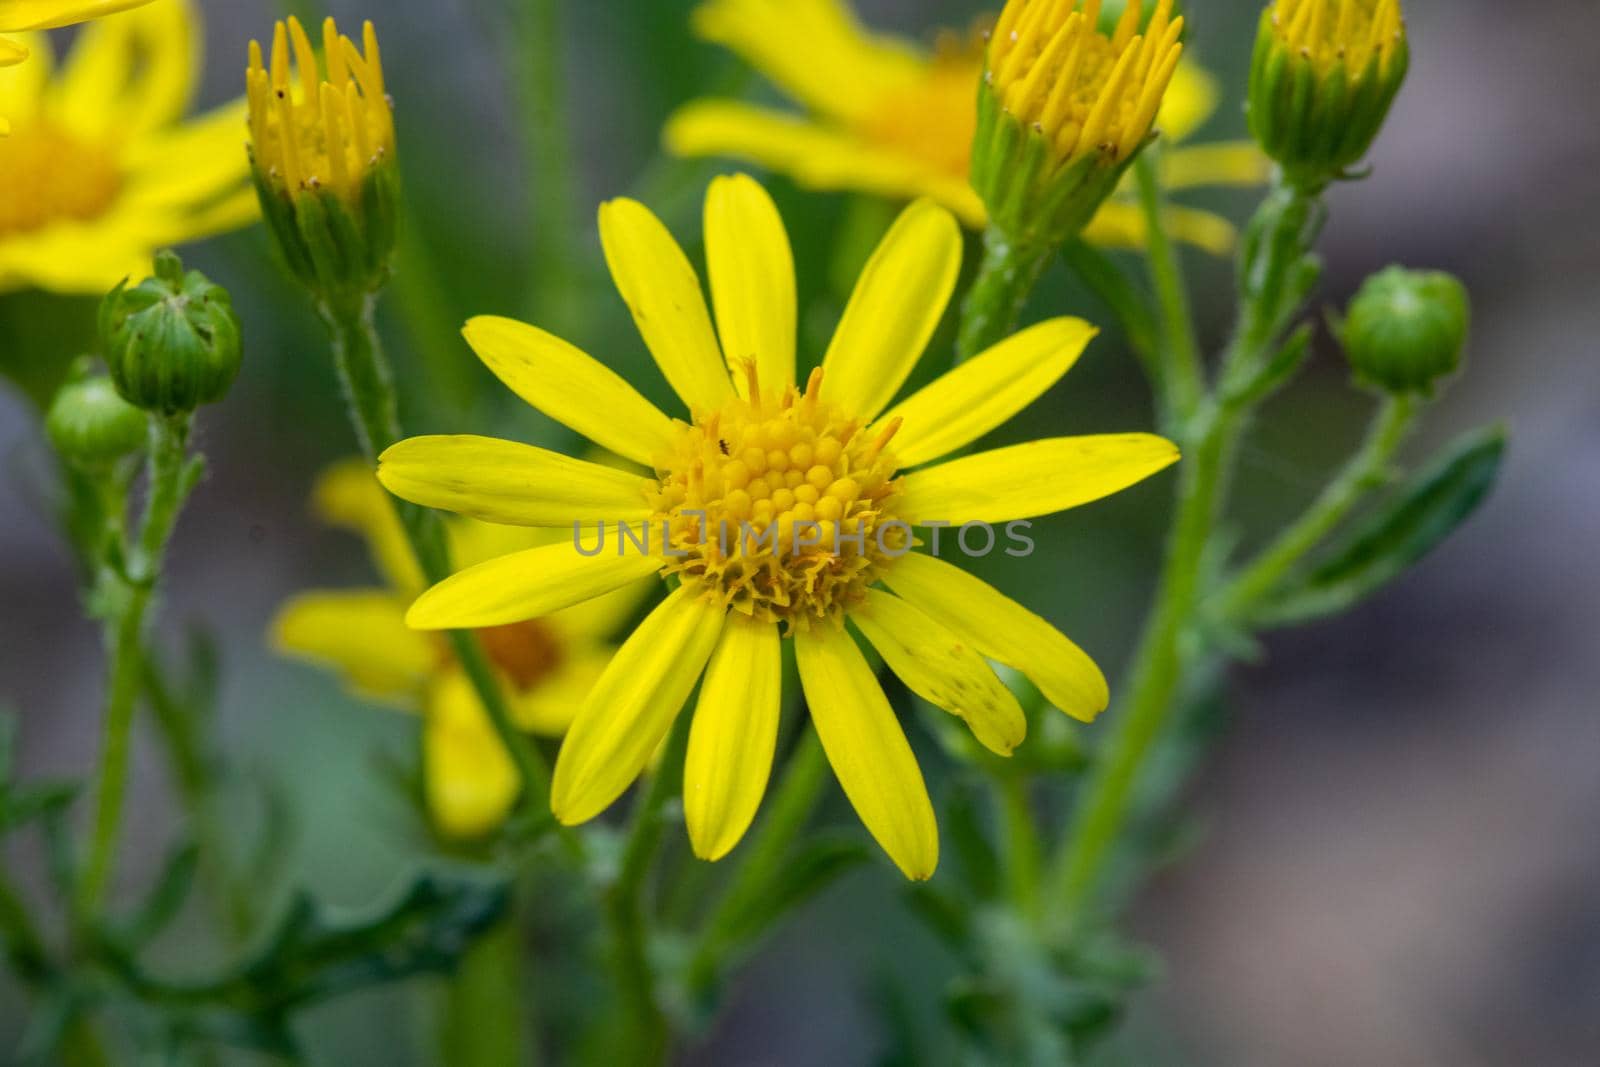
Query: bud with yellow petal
x,y
1321,82
322,150
1064,108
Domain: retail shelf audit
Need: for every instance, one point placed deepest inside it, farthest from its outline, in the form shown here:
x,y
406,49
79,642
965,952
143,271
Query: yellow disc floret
x,y
1352,32
1086,92
314,130
780,506
49,176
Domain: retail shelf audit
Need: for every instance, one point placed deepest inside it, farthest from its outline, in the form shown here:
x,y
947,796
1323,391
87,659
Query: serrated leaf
x,y
1415,521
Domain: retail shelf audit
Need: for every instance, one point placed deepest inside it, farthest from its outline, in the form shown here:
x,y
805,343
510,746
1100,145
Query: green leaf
x,y
1415,521
309,955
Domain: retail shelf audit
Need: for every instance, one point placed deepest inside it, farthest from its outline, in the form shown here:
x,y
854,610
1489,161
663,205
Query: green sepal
x,y
1420,516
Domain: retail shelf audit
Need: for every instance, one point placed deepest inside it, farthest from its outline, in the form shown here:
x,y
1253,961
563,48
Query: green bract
x,y
172,341
1316,104
1406,329
338,247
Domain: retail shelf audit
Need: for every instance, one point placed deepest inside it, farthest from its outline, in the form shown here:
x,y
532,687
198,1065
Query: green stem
x,y
483,1022
1181,383
369,390
1365,471
994,304
1157,671
784,817
1276,273
1021,844
647,1034
170,480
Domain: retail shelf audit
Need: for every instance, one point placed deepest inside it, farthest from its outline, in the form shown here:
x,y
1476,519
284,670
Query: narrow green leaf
x,y
1415,521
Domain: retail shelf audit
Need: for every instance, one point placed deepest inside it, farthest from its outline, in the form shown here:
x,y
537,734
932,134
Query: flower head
x,y
101,168
1321,82
322,149
1064,109
891,119
788,512
545,666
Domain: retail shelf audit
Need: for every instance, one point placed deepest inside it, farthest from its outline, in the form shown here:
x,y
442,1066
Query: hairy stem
x,y
993,305
1181,382
369,391
1366,470
127,598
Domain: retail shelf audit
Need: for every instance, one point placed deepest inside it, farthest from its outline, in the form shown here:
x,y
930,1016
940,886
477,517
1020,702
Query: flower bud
x,y
1063,109
1321,81
322,158
172,341
91,426
1406,329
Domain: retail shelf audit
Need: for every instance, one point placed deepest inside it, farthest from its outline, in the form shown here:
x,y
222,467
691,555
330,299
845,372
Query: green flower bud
x,y
1321,81
172,341
1406,329
90,425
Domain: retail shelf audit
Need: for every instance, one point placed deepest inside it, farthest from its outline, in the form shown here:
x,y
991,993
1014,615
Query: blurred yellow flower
x,y
887,118
545,666
779,511
101,169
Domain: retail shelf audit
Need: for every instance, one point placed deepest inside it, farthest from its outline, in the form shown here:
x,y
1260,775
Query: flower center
x,y
781,506
935,120
526,652
47,175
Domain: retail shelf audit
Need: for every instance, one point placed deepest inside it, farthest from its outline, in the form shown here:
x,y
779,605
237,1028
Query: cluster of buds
x,y
171,342
322,158
1406,330
1322,79
1064,108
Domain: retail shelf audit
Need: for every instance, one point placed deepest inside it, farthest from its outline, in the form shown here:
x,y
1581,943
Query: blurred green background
x,y
1400,863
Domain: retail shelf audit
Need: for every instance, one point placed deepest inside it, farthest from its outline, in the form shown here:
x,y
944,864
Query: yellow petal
x,y
963,405
53,14
468,776
1120,224
549,707
130,75
943,669
362,634
897,303
814,50
632,706
571,387
348,494
662,291
815,155
868,749
1190,99
751,268
1003,630
733,736
525,585
1222,163
507,482
11,52
1036,478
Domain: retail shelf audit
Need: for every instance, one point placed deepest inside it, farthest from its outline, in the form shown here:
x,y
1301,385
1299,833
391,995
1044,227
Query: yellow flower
x,y
546,666
888,119
322,151
796,467
100,169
